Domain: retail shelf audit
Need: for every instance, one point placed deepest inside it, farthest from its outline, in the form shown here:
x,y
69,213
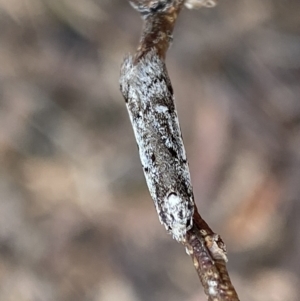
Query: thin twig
x,y
148,93
208,252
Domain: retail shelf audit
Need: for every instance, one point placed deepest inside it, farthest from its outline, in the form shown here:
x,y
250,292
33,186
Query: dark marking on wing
x,y
172,152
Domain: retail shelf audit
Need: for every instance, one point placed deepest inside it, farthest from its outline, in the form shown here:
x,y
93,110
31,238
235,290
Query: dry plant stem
x,y
209,260
148,93
158,28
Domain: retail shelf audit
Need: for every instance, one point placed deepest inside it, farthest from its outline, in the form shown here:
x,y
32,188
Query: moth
x,y
149,99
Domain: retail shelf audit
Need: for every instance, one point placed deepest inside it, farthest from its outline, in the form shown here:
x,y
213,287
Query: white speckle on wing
x,y
173,200
161,109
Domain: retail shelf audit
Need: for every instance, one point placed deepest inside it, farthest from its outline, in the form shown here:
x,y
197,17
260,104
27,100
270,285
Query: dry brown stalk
x,y
148,93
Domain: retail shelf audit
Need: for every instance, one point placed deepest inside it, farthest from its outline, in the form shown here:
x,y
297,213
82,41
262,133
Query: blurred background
x,y
76,218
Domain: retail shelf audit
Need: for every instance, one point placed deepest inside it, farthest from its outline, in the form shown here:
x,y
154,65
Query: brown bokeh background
x,y
76,219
